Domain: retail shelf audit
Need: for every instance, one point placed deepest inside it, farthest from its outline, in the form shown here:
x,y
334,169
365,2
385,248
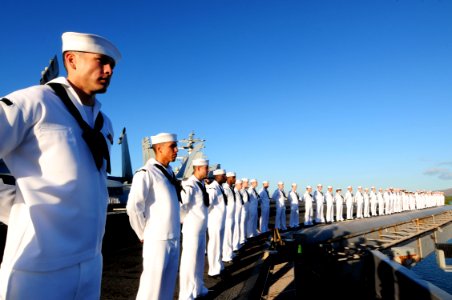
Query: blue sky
x,y
333,92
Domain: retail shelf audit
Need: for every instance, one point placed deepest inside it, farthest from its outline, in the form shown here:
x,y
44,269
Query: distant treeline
x,y
449,200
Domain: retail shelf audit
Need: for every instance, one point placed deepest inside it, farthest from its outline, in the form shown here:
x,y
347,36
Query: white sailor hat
x,y
349,187
253,180
319,184
329,187
219,172
200,162
294,184
360,187
230,174
245,179
163,137
265,182
280,182
85,42
309,187
238,181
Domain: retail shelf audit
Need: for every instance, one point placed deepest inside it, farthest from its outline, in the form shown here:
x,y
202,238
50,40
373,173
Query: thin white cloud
x,y
441,173
446,163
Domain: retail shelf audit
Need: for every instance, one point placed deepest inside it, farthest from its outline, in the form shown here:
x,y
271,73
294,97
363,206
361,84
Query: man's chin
x,y
101,90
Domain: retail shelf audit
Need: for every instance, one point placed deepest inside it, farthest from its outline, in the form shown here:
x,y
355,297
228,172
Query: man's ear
x,y
158,148
70,59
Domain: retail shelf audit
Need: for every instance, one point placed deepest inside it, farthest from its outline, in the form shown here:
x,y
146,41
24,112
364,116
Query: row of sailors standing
x,y
220,205
227,209
233,216
366,203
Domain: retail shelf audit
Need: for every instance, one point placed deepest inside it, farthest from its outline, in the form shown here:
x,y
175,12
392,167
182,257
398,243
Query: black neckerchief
x,y
205,196
92,136
232,191
283,193
240,196
172,179
225,198
257,195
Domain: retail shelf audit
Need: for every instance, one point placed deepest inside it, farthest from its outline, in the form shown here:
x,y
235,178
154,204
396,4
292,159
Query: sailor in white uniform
x,y
387,198
381,202
416,197
309,211
329,199
319,200
405,200
154,214
279,196
264,201
239,229
397,201
412,201
56,217
253,208
245,211
195,202
391,200
373,201
229,224
215,222
366,200
359,200
294,198
349,199
339,205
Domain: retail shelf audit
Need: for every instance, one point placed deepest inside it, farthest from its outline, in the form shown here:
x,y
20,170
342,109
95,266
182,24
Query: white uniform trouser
x,y
227,240
265,211
81,281
191,272
236,235
308,212
366,208
243,223
339,211
319,218
280,219
214,249
373,208
381,208
160,264
359,209
252,223
329,212
349,207
248,220
294,215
